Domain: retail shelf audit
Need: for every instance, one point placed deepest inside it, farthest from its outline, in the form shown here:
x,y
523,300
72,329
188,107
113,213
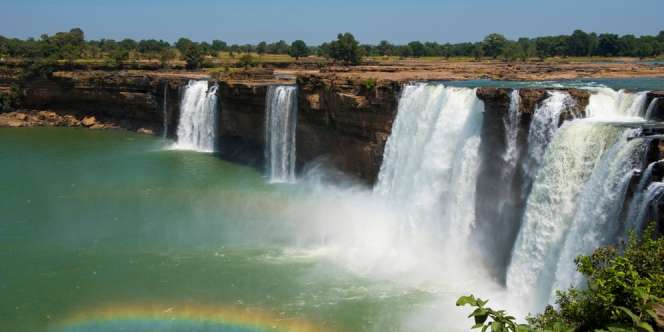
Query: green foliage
x,y
246,61
192,56
345,49
298,49
167,55
487,318
512,51
118,56
370,83
494,45
622,289
71,45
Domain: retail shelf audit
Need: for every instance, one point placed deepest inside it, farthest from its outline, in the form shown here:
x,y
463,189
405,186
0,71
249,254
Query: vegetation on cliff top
x,y
623,288
72,46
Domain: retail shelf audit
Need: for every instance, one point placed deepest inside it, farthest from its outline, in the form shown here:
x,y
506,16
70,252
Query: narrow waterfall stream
x,y
280,123
198,115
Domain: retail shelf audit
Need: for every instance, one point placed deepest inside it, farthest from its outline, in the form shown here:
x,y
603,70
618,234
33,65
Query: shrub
x,y
246,61
622,290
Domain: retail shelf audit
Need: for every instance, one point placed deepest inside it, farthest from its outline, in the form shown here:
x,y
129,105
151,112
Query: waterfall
x,y
198,114
638,211
608,104
568,162
651,108
280,123
164,110
511,123
542,129
596,221
431,159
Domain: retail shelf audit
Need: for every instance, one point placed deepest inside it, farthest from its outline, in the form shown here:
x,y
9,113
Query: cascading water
x,y
430,163
638,214
609,104
596,221
651,108
280,123
574,204
542,129
511,123
198,115
567,164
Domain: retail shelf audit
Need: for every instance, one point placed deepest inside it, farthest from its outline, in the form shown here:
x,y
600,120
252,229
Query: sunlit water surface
x,y
113,231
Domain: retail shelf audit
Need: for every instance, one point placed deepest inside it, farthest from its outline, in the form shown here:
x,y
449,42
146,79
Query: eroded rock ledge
x,y
345,121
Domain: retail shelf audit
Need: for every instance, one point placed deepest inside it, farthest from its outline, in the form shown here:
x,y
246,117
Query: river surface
x,y
114,231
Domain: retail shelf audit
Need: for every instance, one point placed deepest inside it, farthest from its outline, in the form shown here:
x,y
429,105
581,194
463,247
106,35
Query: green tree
x,y
478,51
192,56
167,55
118,56
345,49
298,49
261,48
623,286
512,51
417,49
608,44
579,43
494,44
219,45
246,61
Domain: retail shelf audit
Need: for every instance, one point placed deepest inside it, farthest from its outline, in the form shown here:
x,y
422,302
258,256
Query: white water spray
x,y
596,221
198,115
431,159
543,127
280,123
611,105
567,164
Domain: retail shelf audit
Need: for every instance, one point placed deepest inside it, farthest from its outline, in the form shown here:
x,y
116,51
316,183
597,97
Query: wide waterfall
x,y
431,159
280,123
578,191
198,115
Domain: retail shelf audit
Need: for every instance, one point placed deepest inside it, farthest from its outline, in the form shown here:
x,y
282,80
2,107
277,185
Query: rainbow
x,y
189,318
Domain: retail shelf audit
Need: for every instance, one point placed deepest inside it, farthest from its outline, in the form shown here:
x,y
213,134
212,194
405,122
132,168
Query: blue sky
x,y
315,21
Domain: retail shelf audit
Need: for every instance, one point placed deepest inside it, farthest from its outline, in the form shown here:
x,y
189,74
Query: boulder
x,y
89,121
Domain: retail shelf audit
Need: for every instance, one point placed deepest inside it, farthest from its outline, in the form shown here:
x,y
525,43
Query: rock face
x,y
346,122
124,99
242,122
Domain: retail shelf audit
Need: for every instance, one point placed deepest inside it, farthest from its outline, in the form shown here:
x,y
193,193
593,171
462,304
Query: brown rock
x,y
21,116
89,121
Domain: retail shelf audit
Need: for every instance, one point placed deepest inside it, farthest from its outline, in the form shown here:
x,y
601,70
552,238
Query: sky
x,y
316,21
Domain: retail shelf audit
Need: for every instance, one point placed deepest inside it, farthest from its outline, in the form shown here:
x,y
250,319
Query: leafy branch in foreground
x,y
623,290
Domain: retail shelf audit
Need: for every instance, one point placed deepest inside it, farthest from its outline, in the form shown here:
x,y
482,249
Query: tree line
x,y
72,45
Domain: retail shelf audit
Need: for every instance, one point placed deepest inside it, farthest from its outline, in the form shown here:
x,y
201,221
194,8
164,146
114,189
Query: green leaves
x,y
487,318
623,288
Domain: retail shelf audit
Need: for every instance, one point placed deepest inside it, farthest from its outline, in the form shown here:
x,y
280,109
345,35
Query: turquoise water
x,y
635,84
109,230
